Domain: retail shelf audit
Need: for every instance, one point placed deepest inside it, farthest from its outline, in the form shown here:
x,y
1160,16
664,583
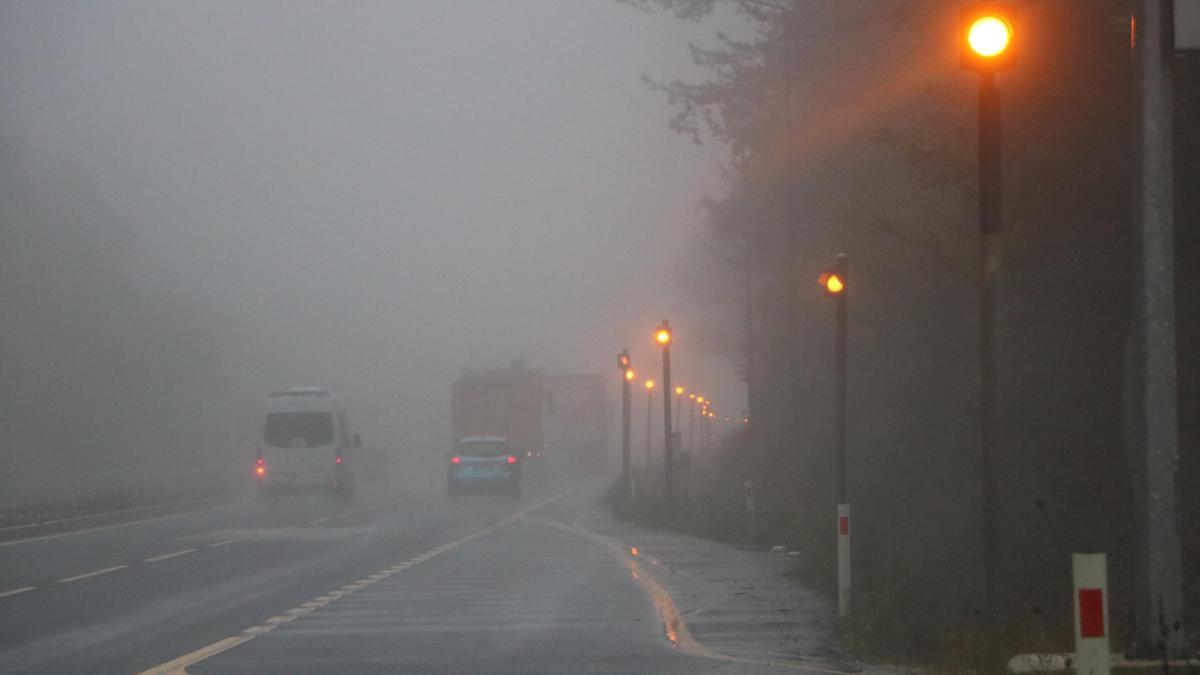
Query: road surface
x,y
389,584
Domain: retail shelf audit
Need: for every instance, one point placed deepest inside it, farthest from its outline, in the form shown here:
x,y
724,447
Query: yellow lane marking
x,y
179,665
18,591
89,575
167,556
674,626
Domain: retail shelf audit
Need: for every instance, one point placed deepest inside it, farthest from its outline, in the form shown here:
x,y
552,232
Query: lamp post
x,y
696,400
623,364
649,418
662,335
834,282
986,48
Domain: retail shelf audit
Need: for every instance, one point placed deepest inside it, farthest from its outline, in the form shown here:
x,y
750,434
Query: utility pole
x,y
1158,566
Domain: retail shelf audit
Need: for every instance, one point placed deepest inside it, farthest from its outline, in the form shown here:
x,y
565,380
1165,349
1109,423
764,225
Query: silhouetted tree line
x,y
852,129
112,383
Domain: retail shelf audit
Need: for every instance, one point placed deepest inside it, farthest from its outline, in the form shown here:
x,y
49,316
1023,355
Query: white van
x,y
306,445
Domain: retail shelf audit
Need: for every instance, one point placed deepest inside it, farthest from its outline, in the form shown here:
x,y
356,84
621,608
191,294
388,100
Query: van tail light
x,y
456,460
512,459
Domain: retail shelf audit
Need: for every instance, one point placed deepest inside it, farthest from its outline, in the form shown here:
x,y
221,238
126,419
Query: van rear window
x,y
299,429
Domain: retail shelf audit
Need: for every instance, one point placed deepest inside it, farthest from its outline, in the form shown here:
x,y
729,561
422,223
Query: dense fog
x,y
205,202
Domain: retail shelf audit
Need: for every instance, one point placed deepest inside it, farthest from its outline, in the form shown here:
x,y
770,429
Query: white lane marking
x,y
167,556
318,521
227,542
89,575
178,666
379,506
18,591
102,528
347,513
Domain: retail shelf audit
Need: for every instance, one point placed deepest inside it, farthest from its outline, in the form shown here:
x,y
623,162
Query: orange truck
x,y
504,402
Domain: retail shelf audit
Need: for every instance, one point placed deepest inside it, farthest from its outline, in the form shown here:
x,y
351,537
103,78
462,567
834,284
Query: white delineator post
x,y
1092,655
843,559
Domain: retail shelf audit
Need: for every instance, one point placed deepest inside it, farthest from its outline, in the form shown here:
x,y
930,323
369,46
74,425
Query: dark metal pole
x,y
840,370
989,262
626,483
649,423
668,454
692,428
748,283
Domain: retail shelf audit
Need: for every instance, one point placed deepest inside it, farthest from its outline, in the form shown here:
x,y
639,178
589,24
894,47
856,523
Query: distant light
x,y
692,396
629,375
649,384
989,36
663,336
456,460
679,390
512,460
831,282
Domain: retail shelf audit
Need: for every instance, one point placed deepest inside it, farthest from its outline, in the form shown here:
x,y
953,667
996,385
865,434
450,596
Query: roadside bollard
x,y
843,559
1092,655
751,525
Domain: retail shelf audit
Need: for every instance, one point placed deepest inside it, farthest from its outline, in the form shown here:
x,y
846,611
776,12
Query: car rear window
x,y
299,429
483,449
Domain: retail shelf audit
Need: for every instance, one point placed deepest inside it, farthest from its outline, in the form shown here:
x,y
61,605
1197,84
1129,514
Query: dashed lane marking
x,y
89,575
168,556
227,542
18,591
179,666
318,521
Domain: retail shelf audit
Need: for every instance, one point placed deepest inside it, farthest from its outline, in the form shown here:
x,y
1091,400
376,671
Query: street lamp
x,y
649,416
663,336
678,402
834,281
624,364
986,47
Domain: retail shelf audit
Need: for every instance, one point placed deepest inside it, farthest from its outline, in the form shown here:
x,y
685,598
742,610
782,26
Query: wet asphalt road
x,y
392,583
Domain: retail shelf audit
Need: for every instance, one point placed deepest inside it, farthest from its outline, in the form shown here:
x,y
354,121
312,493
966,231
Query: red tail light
x,y
260,467
456,460
338,460
512,460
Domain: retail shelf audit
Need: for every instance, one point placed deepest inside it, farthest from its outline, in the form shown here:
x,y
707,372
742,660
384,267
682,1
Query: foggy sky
x,y
370,196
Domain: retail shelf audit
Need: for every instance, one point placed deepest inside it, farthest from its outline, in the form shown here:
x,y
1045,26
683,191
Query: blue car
x,y
484,464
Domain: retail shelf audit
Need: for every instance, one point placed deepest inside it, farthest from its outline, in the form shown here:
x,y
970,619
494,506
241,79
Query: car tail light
x,y
260,467
456,460
338,461
512,459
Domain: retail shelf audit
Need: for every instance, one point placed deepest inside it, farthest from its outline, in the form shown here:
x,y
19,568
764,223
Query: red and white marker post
x,y
843,559
1092,655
